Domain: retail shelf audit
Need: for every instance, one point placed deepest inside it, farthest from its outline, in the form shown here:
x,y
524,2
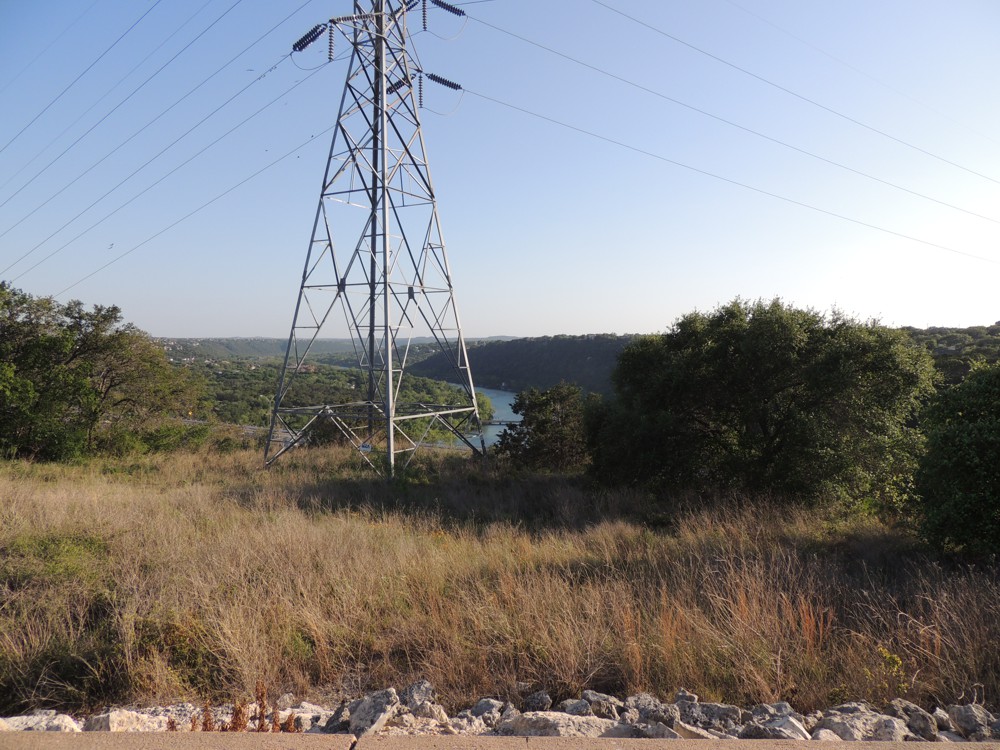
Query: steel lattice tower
x,y
377,257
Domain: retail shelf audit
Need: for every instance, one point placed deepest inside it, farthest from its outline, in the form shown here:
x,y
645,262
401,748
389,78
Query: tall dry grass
x,y
197,575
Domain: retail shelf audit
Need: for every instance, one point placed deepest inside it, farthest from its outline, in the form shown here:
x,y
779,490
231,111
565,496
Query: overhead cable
x,y
117,106
85,71
797,95
862,72
737,183
731,123
164,112
200,208
147,189
105,95
48,46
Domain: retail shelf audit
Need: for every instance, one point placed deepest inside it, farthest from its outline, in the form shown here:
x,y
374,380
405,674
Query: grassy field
x,y
195,575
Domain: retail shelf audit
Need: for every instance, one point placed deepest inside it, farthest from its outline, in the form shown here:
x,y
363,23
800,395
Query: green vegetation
x,y
74,380
955,350
765,398
959,477
550,434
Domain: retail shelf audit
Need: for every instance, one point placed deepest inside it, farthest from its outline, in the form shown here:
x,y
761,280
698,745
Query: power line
x,y
859,71
790,92
195,211
154,120
728,180
104,96
146,190
48,46
71,83
117,106
146,164
731,123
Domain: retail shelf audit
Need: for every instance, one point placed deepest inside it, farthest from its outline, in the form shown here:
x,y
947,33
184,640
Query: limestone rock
x,y
917,720
538,701
604,706
43,721
339,721
779,728
688,732
487,705
489,710
373,712
825,735
119,720
5,727
468,724
431,710
972,721
575,707
718,716
865,725
683,696
181,714
309,717
942,719
650,710
658,731
419,692
764,712
285,702
592,696
557,724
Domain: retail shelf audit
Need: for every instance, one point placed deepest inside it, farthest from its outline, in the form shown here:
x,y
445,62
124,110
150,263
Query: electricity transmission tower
x,y
377,258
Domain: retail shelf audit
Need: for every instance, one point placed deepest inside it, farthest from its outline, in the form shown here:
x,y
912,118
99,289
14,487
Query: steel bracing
x,y
377,258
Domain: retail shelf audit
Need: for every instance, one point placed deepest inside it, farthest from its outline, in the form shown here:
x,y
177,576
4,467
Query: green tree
x,y
767,398
959,477
550,434
68,373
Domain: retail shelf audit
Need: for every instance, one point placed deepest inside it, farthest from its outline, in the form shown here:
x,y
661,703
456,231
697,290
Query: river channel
x,y
502,401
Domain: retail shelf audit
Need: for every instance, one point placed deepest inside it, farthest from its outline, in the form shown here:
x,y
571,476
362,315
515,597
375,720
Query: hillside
x,y
327,351
537,362
516,364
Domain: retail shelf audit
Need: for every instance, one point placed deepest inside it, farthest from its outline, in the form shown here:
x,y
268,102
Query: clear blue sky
x,y
549,230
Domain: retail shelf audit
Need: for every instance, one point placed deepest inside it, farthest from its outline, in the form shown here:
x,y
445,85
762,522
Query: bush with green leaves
x,y
767,398
959,477
72,379
551,433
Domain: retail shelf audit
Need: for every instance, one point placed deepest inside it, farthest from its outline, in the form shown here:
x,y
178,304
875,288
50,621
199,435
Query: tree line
x,y
77,381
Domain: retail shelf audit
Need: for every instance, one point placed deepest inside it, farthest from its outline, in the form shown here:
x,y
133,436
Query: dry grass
x,y
197,575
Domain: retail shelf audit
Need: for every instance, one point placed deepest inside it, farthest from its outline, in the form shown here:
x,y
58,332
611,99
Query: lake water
x,y
502,402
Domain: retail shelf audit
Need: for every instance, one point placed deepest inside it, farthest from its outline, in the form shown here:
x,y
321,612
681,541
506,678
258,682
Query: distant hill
x,y
241,348
517,364
536,362
329,351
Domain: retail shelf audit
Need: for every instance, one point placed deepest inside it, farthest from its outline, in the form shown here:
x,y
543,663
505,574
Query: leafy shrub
x,y
550,434
766,398
959,476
